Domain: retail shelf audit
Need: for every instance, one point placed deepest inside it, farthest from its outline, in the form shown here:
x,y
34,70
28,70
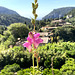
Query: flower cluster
x,y
33,38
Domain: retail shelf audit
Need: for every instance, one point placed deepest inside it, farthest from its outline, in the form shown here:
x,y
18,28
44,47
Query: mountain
x,y
8,16
4,10
71,17
72,13
60,12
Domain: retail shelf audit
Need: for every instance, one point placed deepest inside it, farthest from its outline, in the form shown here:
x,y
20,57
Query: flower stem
x,y
33,64
52,66
34,27
37,63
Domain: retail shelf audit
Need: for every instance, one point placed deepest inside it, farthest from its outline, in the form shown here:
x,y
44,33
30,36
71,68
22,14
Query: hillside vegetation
x,y
72,19
60,12
8,17
63,54
72,13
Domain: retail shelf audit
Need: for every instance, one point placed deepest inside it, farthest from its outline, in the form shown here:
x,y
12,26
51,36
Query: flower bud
x,y
35,1
36,5
32,21
36,16
33,6
30,34
34,10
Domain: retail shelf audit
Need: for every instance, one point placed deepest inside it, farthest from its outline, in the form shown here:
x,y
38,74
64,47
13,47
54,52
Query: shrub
x,y
28,71
10,41
18,30
48,71
2,29
60,52
69,67
57,62
18,48
16,55
14,31
10,69
67,33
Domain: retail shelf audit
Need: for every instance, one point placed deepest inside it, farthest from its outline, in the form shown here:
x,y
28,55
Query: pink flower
x,y
36,35
28,44
37,40
32,39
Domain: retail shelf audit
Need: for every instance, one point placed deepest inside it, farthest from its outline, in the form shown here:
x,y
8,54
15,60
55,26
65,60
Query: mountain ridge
x,y
4,10
59,12
8,16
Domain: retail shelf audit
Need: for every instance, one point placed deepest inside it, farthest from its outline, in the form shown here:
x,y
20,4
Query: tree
x,y
2,29
67,33
18,30
42,23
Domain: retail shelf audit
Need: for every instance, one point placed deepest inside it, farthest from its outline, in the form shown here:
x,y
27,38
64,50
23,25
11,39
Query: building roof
x,y
67,23
45,39
49,27
60,20
20,43
43,33
51,34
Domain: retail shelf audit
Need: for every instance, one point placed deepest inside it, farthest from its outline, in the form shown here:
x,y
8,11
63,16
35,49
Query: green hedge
x,y
69,67
10,69
16,55
60,52
48,71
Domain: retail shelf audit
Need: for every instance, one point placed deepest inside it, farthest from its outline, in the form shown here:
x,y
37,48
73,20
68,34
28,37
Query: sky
x,y
24,7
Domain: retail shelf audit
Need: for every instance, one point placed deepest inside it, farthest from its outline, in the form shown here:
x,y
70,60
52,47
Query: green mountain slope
x,y
8,16
60,12
72,13
4,10
72,19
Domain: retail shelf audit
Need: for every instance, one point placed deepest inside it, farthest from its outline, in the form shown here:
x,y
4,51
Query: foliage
x,y
69,67
9,41
14,31
16,55
67,33
72,13
7,19
59,51
10,69
29,71
48,71
6,41
71,20
18,48
2,29
40,24
18,30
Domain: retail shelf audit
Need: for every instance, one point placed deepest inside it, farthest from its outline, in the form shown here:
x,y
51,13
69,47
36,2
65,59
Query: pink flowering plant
x,y
33,39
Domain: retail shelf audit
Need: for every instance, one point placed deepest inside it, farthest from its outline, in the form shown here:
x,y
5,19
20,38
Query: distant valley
x,y
8,16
